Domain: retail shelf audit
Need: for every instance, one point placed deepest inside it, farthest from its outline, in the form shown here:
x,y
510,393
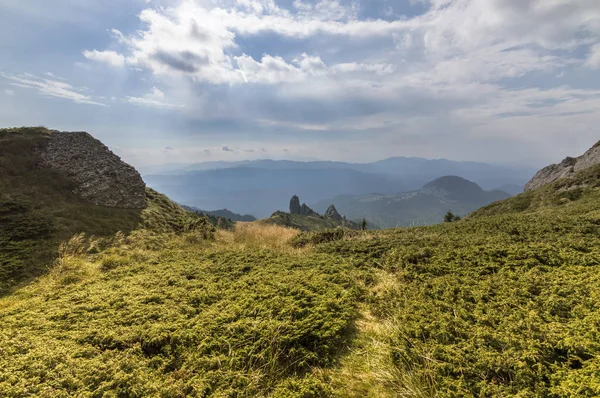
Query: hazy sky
x,y
508,81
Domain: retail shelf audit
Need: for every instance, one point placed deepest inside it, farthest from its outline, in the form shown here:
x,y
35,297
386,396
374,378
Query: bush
x,y
319,237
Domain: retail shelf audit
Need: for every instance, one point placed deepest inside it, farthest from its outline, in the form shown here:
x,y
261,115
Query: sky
x,y
180,81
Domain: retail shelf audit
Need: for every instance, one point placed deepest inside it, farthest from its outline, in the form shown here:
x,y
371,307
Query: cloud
x,y
200,39
226,148
350,74
593,59
154,99
111,58
51,88
9,92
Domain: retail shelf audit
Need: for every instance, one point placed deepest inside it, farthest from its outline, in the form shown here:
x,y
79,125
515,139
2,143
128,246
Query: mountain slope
x,y
422,207
579,187
230,215
497,305
566,169
41,206
503,305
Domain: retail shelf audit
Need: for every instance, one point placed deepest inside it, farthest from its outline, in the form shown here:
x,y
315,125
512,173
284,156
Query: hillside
x,y
305,219
566,169
422,207
504,303
42,206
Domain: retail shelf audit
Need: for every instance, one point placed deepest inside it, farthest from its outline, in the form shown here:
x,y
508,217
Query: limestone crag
x,y
303,210
565,169
333,214
102,178
295,207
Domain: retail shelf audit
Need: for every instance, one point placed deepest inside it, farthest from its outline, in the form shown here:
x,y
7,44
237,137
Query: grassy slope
x,y
503,304
38,212
177,316
305,223
559,194
506,304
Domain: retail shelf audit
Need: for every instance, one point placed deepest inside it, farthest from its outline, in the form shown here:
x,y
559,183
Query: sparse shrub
x,y
450,217
325,236
113,261
307,387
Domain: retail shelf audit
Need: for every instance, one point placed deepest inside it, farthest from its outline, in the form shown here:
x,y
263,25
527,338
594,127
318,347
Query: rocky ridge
x,y
303,210
565,169
333,214
101,177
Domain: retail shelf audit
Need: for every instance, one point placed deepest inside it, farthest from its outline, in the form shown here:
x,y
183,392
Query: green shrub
x,y
319,237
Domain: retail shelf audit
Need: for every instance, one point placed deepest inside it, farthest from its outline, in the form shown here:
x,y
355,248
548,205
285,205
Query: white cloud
x,y
111,58
51,88
9,92
593,59
154,99
269,70
324,66
456,39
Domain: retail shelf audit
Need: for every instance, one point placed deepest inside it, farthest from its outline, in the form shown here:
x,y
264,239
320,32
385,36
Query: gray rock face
x,y
333,214
303,210
565,169
295,207
102,178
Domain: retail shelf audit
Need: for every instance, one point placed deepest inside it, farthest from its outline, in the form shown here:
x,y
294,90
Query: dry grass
x,y
252,235
369,370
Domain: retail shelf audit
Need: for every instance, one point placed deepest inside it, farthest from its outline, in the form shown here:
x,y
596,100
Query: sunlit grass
x,y
253,235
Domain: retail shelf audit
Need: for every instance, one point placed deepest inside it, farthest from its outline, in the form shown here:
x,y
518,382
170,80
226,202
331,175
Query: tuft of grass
x,y
253,235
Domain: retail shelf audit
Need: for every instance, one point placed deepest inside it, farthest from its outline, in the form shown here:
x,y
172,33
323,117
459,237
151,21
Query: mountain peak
x,y
333,214
96,174
454,185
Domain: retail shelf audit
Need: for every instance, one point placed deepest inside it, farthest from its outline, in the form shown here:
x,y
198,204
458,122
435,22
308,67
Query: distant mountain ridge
x,y
224,213
259,191
257,187
420,207
487,175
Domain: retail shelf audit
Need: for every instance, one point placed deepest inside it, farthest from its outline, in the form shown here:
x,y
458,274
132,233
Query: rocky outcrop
x,y
295,207
565,169
303,210
101,177
333,214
